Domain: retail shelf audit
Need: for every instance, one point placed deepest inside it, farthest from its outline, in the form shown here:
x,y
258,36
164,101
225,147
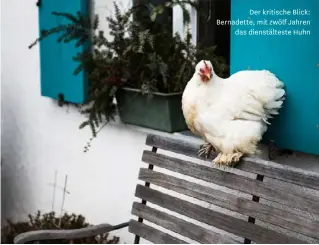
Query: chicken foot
x,y
205,149
227,159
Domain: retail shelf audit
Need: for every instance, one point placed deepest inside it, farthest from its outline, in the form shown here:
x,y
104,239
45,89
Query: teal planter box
x,y
160,112
293,58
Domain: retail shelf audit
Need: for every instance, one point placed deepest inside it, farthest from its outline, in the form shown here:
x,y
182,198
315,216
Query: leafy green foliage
x,y
49,221
142,53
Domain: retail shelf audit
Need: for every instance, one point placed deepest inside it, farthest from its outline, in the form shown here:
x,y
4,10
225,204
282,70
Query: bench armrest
x,y
67,234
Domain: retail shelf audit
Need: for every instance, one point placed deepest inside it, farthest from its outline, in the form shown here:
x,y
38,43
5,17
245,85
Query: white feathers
x,y
232,114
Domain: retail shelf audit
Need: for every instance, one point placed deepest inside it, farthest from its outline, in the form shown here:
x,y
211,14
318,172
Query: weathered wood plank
x,y
290,197
180,226
273,170
219,220
151,234
280,217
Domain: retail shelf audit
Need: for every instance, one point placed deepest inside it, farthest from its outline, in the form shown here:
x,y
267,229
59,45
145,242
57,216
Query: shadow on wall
x,y
15,198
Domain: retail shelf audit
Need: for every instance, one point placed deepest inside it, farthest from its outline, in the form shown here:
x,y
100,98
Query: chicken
x,y
231,114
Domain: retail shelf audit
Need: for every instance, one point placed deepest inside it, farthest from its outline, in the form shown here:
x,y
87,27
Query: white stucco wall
x,y
39,138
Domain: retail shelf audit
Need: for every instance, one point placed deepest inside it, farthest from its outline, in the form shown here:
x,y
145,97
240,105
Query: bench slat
x,y
219,220
273,170
180,226
152,235
283,218
289,197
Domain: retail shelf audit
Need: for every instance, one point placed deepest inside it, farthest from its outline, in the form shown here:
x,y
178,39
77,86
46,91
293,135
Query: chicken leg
x,y
227,159
205,149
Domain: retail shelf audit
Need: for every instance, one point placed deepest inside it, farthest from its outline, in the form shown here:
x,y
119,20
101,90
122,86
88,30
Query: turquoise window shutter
x,y
293,58
56,63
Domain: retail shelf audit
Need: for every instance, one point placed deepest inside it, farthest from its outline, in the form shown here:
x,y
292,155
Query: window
x,y
203,26
208,32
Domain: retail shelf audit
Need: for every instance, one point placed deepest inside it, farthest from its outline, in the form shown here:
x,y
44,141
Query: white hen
x,y
231,114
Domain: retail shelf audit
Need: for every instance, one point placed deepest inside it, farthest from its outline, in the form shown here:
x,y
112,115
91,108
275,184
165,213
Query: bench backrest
x,y
258,201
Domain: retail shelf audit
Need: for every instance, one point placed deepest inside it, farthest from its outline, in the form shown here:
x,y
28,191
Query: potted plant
x,y
144,66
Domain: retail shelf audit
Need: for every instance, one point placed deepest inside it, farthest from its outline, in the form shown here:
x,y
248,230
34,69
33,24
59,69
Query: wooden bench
x,y
187,200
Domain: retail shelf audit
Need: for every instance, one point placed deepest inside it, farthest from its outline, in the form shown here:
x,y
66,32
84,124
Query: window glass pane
x,y
208,32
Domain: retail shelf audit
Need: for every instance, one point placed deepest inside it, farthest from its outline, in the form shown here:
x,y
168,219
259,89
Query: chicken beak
x,y
208,75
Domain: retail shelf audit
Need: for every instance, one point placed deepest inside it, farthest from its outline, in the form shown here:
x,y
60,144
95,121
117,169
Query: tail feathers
x,y
280,93
265,119
275,81
272,108
273,111
274,105
272,95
